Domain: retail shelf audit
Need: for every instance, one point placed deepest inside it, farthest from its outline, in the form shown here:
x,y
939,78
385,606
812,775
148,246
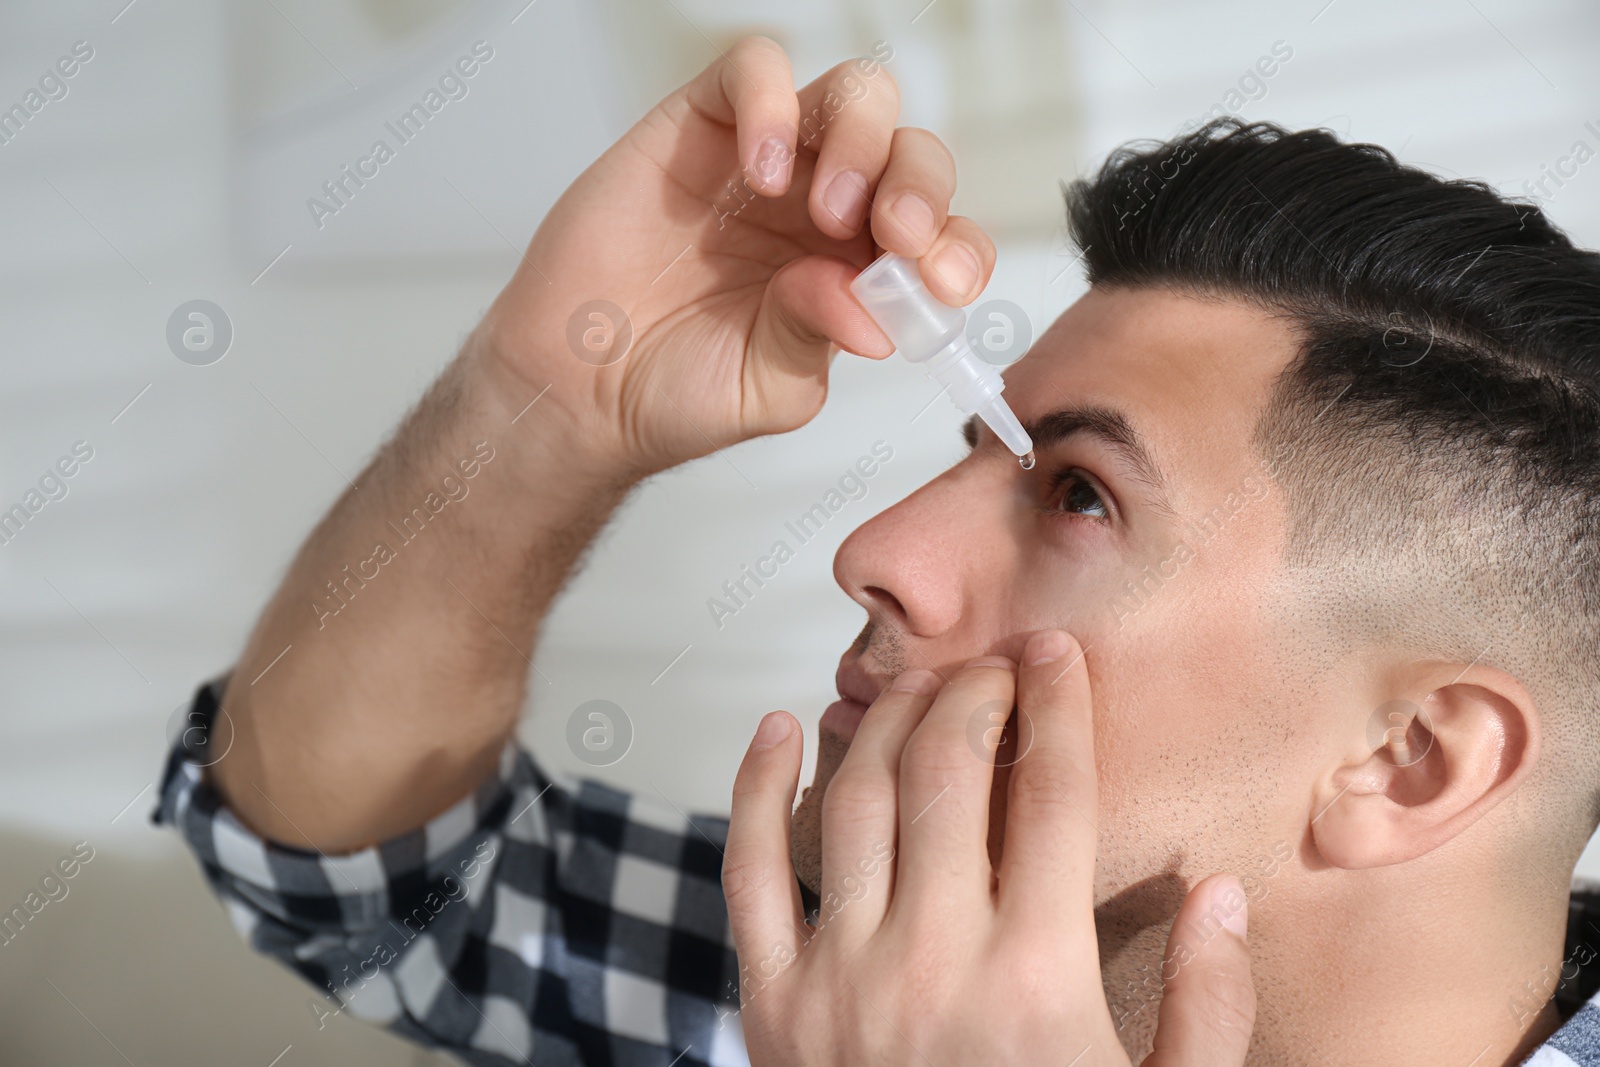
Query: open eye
x,y
1072,493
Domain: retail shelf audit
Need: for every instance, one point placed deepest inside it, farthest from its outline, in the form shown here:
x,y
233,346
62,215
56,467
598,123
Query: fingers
x,y
914,193
960,262
847,117
946,772
1208,1003
751,88
860,809
807,305
911,217
1047,866
757,875
902,179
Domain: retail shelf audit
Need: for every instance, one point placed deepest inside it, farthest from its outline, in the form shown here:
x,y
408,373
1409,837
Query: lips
x,y
857,690
855,683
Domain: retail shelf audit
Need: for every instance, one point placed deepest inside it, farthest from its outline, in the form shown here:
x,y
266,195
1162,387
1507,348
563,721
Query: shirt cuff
x,y
312,890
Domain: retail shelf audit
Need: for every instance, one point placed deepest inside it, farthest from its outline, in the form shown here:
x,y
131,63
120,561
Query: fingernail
x,y
958,267
774,728
772,162
992,661
1227,897
919,681
1045,646
846,198
915,217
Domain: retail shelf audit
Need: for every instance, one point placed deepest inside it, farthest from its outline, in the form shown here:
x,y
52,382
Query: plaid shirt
x,y
556,923
536,920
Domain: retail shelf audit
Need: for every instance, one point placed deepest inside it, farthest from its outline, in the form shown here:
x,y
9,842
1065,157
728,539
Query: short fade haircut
x,y
1441,418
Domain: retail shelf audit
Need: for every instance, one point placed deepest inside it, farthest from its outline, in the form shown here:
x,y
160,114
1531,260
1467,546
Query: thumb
x,y
806,309
758,880
1208,1003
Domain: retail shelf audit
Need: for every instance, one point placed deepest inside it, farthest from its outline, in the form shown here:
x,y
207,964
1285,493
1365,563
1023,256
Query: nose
x,y
913,564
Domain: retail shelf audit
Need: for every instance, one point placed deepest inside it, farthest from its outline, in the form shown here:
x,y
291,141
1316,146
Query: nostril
x,y
878,599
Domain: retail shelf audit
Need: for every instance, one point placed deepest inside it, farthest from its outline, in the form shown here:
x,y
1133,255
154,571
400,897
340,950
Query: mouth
x,y
858,688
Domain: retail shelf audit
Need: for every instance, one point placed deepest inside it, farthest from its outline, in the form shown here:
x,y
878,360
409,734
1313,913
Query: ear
x,y
1455,742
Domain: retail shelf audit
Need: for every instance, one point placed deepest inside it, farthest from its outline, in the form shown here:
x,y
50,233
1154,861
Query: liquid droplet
x,y
1027,461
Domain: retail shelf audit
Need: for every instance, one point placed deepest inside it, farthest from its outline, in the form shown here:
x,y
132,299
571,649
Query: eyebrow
x,y
1106,425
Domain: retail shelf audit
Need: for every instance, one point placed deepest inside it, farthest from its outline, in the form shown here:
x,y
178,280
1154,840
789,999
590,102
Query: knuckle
x,y
973,234
1230,1002
852,80
1034,791
747,787
851,798
929,761
984,672
1033,970
745,878
758,48
924,142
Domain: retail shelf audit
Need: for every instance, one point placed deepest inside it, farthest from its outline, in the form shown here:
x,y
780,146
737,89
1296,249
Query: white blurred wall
x,y
177,167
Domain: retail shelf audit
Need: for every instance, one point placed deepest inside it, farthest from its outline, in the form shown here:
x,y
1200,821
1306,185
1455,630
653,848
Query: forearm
x,y
389,668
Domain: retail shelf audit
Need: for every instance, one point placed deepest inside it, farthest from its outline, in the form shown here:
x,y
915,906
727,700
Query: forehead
x,y
1191,374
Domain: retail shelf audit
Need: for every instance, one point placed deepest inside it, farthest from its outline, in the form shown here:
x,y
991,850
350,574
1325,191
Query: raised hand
x,y
727,225
926,952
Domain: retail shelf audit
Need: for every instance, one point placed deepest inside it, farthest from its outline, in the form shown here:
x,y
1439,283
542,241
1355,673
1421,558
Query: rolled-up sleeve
x,y
536,919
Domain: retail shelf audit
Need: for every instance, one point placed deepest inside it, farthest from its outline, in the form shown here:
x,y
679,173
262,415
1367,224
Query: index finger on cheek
x,y
1051,810
946,774
860,810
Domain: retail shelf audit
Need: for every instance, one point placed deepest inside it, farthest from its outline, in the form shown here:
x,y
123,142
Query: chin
x,y
805,830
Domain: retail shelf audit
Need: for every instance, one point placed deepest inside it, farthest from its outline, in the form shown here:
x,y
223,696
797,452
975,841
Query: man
x,y
1312,534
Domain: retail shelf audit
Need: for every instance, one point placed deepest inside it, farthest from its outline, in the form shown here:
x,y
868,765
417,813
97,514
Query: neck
x,y
1364,969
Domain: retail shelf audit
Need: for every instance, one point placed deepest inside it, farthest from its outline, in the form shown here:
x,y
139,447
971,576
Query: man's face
x,y
1150,529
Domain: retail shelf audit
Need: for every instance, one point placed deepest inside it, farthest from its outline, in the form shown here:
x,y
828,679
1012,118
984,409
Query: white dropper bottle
x,y
926,330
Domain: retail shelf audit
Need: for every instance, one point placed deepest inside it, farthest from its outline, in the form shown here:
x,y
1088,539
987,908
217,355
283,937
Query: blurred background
x,y
176,164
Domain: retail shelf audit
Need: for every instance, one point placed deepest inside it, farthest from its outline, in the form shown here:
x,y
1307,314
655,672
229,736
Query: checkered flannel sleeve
x,y
1577,995
535,921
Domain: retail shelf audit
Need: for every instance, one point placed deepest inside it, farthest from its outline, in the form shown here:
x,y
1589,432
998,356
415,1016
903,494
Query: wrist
x,y
546,420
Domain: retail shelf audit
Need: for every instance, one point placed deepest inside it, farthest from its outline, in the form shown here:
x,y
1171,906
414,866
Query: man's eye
x,y
1072,494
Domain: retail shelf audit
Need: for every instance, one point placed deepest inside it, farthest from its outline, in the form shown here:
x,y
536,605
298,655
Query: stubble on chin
x,y
805,830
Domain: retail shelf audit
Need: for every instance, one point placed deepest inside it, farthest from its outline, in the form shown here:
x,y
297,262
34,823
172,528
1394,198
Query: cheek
x,y
1196,741
1075,587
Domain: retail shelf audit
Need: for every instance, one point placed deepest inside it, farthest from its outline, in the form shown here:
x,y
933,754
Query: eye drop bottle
x,y
928,331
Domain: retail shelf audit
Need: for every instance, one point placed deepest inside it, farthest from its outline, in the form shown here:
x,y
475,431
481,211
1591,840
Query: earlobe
x,y
1427,770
